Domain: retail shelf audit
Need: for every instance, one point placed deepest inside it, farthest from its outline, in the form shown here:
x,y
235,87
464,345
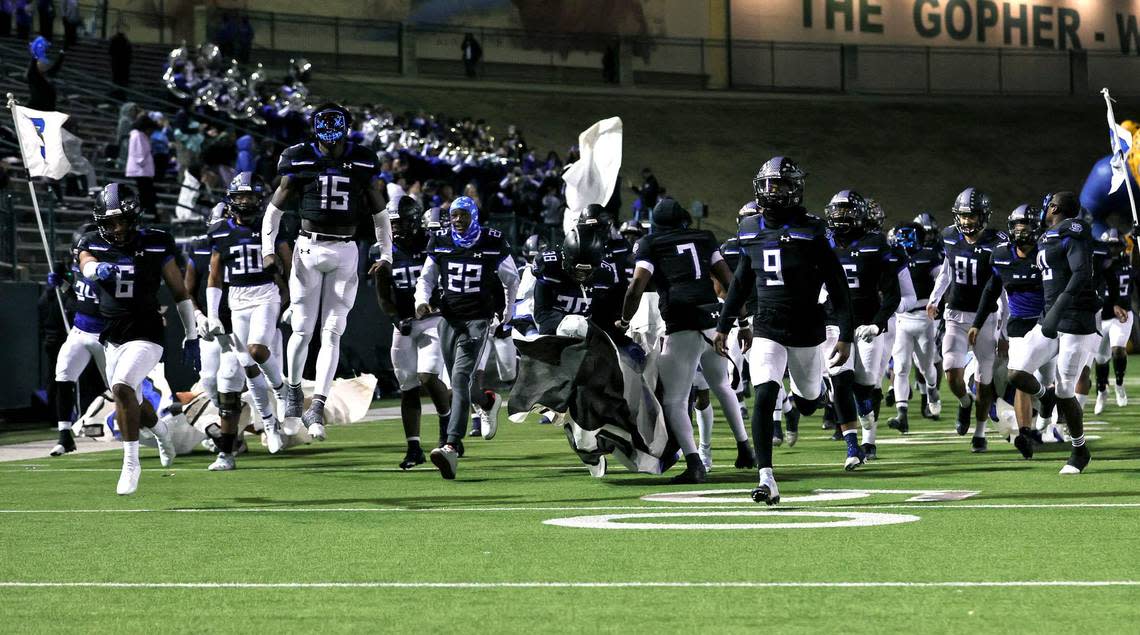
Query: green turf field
x,y
333,537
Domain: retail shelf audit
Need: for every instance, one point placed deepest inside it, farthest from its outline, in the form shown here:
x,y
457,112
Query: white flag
x,y
41,142
593,177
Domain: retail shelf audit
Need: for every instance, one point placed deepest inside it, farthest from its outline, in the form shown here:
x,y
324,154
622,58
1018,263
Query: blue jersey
x,y
1022,282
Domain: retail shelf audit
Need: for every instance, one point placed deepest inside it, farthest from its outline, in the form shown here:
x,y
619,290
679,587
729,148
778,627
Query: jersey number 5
x,y
463,277
333,197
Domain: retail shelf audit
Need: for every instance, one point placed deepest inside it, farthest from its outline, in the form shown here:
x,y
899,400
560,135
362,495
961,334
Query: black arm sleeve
x,y
890,295
988,301
835,281
742,287
1080,267
546,315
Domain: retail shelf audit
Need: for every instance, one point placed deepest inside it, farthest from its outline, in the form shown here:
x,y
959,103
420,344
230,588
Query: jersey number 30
x,y
333,197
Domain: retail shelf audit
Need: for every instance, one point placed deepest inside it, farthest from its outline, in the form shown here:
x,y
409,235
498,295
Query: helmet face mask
x,y
1024,225
330,123
875,216
969,223
116,214
243,206
581,254
908,237
971,212
846,214
778,185
406,217
1111,237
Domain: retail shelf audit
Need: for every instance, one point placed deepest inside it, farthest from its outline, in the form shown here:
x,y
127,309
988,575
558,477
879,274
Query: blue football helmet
x,y
39,48
908,236
243,196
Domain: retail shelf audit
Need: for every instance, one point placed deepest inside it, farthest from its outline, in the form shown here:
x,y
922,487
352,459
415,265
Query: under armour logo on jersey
x,y
784,238
1076,227
139,253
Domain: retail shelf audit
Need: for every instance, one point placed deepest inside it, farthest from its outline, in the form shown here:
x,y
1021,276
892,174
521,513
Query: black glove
x,y
405,327
503,331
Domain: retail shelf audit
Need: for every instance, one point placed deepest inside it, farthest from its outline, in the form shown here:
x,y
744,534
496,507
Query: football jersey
x,y
872,268
334,191
468,275
1119,273
239,247
1021,280
1053,251
86,295
680,261
969,266
730,250
557,295
129,299
407,261
786,265
620,255
922,264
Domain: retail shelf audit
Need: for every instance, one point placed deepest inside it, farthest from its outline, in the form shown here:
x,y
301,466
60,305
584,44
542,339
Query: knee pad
x,y
330,336
702,400
843,387
334,324
231,377
229,404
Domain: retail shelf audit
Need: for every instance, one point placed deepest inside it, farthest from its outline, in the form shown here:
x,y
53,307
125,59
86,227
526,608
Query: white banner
x,y
592,178
41,142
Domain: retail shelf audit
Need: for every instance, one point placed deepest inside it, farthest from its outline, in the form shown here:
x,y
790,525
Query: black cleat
x,y
1024,445
978,445
693,475
889,398
1078,461
65,445
763,494
837,435
413,457
899,422
745,456
962,423
869,451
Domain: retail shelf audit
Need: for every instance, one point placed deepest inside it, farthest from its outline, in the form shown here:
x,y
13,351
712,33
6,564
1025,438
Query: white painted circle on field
x,y
710,496
848,519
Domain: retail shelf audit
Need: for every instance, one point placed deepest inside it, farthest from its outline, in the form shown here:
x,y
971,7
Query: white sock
x,y
869,433
160,429
980,428
705,424
64,425
272,370
766,472
1081,399
259,391
130,453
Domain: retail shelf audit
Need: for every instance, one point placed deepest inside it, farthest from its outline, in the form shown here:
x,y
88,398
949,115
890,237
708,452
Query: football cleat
x,y
962,423
1078,460
66,444
413,457
598,470
933,405
128,479
446,459
166,451
1101,401
766,490
1121,396
705,452
490,417
889,398
899,422
838,434
691,476
792,438
273,441
1024,445
870,452
745,456
978,445
476,423
314,420
294,406
224,463
855,458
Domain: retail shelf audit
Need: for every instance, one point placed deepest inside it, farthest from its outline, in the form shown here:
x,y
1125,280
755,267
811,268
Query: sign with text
x,y
1050,24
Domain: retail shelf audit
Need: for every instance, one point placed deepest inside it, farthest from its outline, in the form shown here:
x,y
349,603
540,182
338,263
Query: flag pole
x,y
1127,177
36,207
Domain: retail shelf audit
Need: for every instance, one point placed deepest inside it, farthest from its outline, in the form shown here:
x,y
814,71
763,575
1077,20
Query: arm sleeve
x,y
990,294
1003,315
509,276
835,280
186,313
383,235
941,283
741,288
270,225
429,279
906,287
890,297
1112,288
213,302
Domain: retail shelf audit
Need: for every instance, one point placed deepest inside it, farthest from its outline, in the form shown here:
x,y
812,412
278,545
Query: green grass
x,y
341,512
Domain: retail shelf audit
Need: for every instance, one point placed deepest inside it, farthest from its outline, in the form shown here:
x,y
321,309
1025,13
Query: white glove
x,y
216,327
202,324
867,332
287,315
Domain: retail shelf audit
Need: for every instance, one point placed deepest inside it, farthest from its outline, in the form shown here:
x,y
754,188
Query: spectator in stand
x,y
647,193
23,17
244,40
120,49
472,54
46,10
6,9
140,164
188,144
71,21
160,145
128,113
41,90
552,206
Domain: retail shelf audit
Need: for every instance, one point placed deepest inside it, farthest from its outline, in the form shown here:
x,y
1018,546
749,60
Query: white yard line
x,y
575,585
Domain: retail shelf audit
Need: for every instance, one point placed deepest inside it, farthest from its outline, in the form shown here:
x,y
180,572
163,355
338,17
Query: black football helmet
x,y
405,217
668,214
582,254
243,197
930,226
533,246
875,216
1024,225
971,211
331,122
436,218
846,214
595,213
1111,237
779,185
117,214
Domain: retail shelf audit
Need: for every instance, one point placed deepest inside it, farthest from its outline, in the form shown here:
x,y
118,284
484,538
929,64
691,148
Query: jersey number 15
x,y
333,196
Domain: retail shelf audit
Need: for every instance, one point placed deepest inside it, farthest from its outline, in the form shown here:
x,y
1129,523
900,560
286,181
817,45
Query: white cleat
x,y
273,441
1101,401
166,451
598,470
1121,396
224,463
128,479
489,418
705,452
792,438
317,431
934,406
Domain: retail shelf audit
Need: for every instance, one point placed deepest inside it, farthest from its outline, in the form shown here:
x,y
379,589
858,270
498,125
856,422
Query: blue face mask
x,y
468,238
39,49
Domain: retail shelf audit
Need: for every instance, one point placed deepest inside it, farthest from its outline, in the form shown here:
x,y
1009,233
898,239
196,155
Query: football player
x,y
253,299
463,263
336,180
127,264
786,261
1067,332
1115,332
681,263
1015,273
416,355
915,339
523,321
81,347
872,272
578,280
968,245
197,254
